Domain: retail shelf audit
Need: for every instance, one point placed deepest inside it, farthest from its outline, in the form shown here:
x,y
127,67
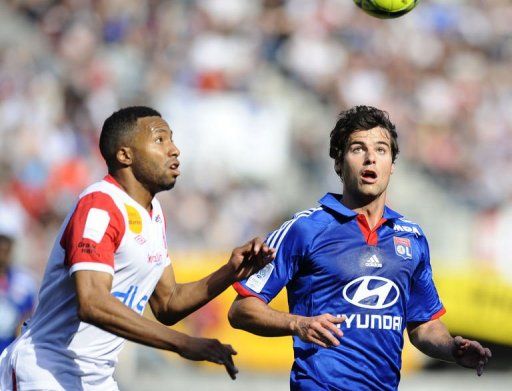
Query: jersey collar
x,y
333,202
110,179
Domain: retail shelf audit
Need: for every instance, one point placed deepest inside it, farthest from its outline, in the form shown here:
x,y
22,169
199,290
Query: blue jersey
x,y
380,279
17,298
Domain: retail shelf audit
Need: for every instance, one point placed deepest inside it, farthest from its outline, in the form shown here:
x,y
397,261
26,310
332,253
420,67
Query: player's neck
x,y
371,208
134,188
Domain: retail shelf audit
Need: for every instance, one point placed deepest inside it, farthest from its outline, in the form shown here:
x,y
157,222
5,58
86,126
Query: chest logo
x,y
371,292
134,219
373,261
403,247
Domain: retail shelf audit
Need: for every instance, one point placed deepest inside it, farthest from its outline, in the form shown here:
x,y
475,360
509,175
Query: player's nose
x,y
370,157
173,150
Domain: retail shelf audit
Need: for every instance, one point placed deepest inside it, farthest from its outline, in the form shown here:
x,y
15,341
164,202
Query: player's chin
x,y
370,192
369,189
168,184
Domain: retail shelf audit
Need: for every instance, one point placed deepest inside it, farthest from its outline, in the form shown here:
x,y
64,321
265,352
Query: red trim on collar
x,y
370,235
110,179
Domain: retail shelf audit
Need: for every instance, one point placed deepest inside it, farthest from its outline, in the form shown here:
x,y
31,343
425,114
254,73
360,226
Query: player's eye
x,y
159,140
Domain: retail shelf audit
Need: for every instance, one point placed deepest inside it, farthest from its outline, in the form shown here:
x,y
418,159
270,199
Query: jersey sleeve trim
x,y
434,316
243,291
438,314
94,266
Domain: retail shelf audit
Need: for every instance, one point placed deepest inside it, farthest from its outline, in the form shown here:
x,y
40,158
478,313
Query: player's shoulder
x,y
101,195
407,226
312,219
303,224
99,189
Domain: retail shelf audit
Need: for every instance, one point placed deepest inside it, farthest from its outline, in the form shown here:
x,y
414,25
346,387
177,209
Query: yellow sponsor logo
x,y
134,219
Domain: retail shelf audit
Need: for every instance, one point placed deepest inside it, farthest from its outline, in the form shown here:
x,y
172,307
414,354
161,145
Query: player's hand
x,y
205,349
250,258
470,354
322,330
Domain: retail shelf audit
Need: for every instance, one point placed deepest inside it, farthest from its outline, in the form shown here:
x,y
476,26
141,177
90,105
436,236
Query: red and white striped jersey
x,y
109,232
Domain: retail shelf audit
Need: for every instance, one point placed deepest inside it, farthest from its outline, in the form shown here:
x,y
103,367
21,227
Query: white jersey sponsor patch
x,y
96,224
257,281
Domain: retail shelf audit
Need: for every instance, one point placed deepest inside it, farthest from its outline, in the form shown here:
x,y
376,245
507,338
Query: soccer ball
x,y
386,9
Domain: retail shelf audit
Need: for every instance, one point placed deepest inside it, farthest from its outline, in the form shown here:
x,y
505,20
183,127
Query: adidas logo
x,y
373,261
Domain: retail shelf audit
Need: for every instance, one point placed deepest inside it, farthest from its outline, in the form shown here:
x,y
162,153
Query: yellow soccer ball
x,y
386,9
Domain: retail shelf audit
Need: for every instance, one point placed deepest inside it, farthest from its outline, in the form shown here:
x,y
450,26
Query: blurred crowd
x,y
227,74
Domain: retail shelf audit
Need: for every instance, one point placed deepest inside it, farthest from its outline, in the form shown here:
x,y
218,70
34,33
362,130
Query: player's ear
x,y
124,156
337,167
392,168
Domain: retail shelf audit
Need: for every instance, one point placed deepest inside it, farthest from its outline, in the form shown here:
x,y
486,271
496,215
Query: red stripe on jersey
x,y
79,249
438,314
370,235
242,291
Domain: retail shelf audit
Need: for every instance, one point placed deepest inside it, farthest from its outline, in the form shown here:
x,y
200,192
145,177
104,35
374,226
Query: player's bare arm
x,y
98,307
433,339
172,302
253,315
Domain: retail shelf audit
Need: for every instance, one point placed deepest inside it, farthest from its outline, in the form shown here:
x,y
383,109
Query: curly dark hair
x,y
360,118
118,128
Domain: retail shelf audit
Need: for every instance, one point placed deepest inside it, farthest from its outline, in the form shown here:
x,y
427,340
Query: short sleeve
x,y
92,234
424,303
268,282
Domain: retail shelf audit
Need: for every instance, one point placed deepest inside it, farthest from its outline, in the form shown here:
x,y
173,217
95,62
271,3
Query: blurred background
x,y
252,89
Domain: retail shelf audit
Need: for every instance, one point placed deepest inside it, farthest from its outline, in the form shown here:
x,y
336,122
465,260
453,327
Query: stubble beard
x,y
362,196
167,186
154,183
165,182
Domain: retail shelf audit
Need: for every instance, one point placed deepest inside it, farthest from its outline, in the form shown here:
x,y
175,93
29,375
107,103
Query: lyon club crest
x,y
403,247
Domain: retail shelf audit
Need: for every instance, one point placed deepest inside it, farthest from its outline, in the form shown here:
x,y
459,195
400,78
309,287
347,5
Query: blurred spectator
x,y
17,294
227,73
